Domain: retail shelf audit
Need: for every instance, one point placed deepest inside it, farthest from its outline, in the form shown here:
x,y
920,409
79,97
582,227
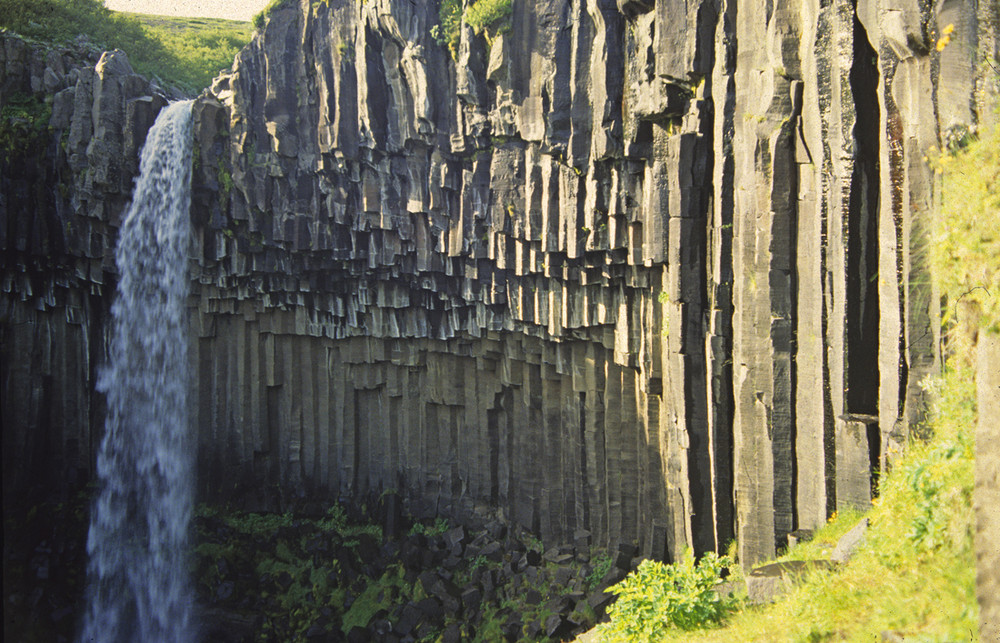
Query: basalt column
x,y
764,258
485,286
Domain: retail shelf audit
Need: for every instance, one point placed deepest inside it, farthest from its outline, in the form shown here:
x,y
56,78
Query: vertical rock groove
x,y
862,253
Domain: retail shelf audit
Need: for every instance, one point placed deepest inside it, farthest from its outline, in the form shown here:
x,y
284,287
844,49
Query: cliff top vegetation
x,y
260,18
490,16
183,52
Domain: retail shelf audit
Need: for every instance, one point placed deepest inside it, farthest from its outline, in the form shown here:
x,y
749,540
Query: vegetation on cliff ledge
x,y
914,577
183,52
260,18
489,16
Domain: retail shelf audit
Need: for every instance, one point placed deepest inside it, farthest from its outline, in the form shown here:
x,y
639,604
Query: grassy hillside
x,y
202,46
915,575
184,52
914,578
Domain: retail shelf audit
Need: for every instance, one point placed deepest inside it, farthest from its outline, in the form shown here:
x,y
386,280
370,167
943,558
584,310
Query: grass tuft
x,y
965,246
260,18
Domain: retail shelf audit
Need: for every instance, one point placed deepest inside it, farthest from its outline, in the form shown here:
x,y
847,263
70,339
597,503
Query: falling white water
x,y
138,579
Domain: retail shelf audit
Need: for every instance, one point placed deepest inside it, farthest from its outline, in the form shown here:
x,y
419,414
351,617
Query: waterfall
x,y
138,588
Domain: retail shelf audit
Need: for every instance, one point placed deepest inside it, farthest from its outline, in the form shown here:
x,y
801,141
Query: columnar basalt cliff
x,y
67,167
625,272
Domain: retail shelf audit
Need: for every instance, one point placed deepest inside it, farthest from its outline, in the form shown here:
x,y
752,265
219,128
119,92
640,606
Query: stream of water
x,y
138,586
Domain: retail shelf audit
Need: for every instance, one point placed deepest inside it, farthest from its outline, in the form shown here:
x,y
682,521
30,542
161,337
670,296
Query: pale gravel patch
x,y
229,9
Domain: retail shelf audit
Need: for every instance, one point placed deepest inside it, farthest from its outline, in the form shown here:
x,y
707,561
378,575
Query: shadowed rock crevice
x,y
862,269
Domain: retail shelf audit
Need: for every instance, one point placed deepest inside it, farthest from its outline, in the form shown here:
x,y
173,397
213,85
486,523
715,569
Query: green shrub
x,y
485,14
23,120
259,524
389,588
490,16
657,598
599,569
449,29
439,527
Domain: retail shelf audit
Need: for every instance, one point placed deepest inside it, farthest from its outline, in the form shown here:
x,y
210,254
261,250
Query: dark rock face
x,y
445,276
65,182
631,272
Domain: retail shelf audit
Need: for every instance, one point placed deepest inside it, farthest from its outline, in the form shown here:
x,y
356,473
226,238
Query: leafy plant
x,y
262,524
336,520
23,119
439,527
378,595
600,566
656,598
448,30
484,14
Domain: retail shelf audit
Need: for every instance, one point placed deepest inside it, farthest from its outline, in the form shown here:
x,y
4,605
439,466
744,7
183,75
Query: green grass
x,y
184,52
202,46
966,239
